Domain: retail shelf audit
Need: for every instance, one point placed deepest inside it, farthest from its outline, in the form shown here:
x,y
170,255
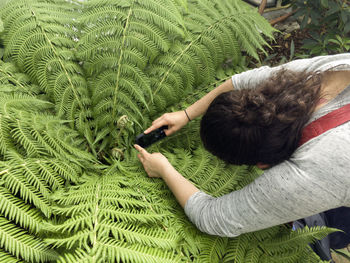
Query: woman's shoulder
x,y
327,152
322,164
320,63
251,78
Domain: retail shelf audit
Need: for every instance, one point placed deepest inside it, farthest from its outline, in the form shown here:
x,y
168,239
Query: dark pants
x,y
336,218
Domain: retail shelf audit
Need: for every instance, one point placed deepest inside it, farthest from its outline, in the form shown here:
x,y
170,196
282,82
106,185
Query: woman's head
x,y
263,125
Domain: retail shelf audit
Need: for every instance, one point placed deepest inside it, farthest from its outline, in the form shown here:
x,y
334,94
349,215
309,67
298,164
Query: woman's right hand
x,y
174,120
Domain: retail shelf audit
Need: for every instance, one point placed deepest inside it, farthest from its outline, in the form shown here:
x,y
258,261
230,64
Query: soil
x,y
281,48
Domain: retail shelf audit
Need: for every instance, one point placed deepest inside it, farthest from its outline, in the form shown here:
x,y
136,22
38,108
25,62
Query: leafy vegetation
x,y
328,22
78,81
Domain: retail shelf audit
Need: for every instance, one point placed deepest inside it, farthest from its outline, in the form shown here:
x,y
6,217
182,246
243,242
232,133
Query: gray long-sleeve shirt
x,y
316,178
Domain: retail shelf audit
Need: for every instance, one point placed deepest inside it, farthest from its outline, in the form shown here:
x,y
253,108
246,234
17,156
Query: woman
x,y
257,117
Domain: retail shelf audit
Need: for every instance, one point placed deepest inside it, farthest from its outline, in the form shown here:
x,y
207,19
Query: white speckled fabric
x,y
316,178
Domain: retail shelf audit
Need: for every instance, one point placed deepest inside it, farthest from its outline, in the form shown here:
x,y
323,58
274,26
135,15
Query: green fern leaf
x,y
297,239
213,249
22,245
16,210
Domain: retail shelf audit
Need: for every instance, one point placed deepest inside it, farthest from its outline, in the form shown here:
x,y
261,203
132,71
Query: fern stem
x,y
59,60
13,79
4,171
150,207
185,50
208,180
65,72
198,170
173,64
178,58
219,190
94,241
119,64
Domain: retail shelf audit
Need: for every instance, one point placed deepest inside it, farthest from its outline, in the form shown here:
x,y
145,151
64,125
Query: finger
x,y
158,119
156,125
138,148
151,128
142,151
140,158
169,131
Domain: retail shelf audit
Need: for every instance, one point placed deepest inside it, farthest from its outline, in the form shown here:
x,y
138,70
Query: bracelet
x,y
187,115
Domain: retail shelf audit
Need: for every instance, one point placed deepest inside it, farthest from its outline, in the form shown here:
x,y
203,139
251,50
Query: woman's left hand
x,y
155,164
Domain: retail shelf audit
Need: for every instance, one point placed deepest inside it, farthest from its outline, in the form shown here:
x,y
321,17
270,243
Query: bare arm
x,y
176,120
156,165
179,185
246,80
199,107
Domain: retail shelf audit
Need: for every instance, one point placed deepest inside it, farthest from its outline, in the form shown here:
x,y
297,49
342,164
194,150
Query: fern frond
x,y
132,216
254,254
80,256
22,102
8,258
212,249
69,172
21,213
78,239
297,239
97,209
24,138
39,42
12,81
6,142
285,257
237,249
228,180
310,257
83,220
17,184
69,211
22,245
152,237
217,27
268,234
126,38
117,251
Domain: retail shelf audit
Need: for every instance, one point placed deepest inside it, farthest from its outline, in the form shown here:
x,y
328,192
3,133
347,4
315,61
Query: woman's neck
x,y
333,82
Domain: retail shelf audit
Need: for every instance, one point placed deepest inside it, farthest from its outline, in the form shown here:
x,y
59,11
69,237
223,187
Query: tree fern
x,y
195,62
40,36
127,37
122,214
79,80
33,165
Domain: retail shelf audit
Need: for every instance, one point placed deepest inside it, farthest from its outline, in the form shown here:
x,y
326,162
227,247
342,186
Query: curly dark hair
x,y
264,124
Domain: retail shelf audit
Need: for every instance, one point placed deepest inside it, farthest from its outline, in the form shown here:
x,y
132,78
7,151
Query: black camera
x,y
145,140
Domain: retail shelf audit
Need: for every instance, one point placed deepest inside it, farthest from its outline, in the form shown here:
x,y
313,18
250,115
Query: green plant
x,y
282,59
78,81
328,24
342,44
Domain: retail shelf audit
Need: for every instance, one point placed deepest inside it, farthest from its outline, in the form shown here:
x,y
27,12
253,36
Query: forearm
x,y
179,185
199,107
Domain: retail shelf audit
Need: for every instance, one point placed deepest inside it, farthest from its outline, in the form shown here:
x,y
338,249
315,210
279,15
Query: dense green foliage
x,y
78,81
328,23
